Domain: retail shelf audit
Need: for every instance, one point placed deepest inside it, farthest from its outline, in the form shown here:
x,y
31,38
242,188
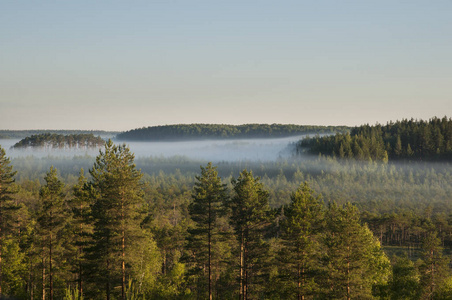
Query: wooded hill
x,y
20,134
59,141
222,131
406,139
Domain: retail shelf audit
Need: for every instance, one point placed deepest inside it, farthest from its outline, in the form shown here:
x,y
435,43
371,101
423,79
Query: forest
x,y
20,134
163,228
222,131
60,141
406,139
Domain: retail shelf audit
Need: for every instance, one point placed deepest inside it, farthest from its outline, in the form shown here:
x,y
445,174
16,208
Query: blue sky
x,y
119,65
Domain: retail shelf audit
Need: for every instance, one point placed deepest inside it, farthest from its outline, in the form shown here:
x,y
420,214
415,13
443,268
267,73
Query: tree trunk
x,y
80,252
1,266
210,249
123,281
245,266
50,267
241,267
108,279
348,275
123,254
43,276
298,282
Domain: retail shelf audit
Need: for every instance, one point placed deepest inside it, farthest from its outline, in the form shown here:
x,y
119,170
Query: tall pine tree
x,y
209,194
52,219
433,269
81,227
301,240
354,261
117,193
249,215
7,205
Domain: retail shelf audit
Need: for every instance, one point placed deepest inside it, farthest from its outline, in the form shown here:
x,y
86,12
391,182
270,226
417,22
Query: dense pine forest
x,y
60,141
163,228
222,131
406,139
20,134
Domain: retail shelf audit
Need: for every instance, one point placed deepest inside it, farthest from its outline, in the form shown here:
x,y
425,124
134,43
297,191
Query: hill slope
x,y
221,131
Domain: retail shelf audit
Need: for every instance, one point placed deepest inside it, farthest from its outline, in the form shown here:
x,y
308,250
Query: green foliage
x,y
406,139
73,294
401,204
217,131
8,207
59,141
117,198
249,215
354,261
14,268
209,195
20,134
404,284
132,292
52,221
300,255
433,268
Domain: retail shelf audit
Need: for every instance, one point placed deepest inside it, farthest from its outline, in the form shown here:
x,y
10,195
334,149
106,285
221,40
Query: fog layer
x,y
208,150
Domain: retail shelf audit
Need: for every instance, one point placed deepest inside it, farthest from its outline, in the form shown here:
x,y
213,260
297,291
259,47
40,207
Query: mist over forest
x,y
385,213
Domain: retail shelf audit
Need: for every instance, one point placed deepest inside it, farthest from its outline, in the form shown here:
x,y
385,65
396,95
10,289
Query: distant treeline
x,y
406,139
59,141
222,131
20,134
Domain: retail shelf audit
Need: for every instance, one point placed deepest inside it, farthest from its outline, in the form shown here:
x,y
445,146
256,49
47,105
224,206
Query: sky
x,y
120,65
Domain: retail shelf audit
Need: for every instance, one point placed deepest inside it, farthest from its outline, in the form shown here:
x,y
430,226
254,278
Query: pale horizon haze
x,y
120,65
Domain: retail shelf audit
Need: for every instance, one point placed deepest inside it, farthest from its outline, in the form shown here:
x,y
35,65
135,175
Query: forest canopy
x,y
406,139
59,141
20,134
222,131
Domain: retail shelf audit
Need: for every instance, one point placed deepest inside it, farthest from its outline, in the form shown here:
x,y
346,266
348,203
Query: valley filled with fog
x,y
205,150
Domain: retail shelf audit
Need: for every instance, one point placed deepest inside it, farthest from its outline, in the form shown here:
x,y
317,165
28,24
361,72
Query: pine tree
x,y
7,206
209,194
52,218
249,215
300,255
404,284
81,226
434,265
354,260
117,194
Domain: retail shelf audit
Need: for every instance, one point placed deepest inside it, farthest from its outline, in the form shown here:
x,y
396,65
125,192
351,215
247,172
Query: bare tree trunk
x,y
1,265
123,283
241,267
210,252
43,277
108,279
50,267
80,253
245,265
299,282
348,275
